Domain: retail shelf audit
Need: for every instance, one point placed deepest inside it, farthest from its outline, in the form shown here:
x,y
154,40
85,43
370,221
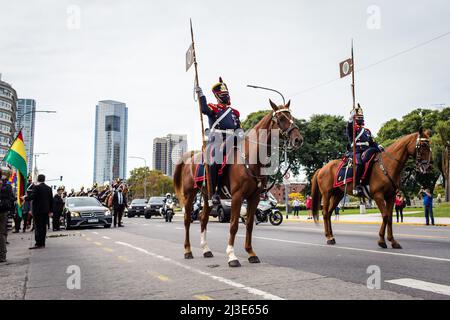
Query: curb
x,y
369,222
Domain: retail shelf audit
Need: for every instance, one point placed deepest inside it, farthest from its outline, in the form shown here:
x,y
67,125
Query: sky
x,y
68,55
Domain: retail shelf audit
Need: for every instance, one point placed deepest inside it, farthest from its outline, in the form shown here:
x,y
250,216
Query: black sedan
x,y
153,206
86,212
137,208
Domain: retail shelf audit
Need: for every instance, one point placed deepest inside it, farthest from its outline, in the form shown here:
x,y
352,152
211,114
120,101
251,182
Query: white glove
x,y
352,114
199,91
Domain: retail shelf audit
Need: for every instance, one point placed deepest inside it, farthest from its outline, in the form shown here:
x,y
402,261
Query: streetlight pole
x,y
18,121
145,176
35,172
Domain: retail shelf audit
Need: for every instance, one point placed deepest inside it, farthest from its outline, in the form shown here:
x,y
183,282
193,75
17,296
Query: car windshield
x,y
138,201
83,202
157,199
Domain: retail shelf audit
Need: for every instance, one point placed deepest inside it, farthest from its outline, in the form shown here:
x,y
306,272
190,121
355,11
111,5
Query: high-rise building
x,y
8,101
167,151
26,117
111,131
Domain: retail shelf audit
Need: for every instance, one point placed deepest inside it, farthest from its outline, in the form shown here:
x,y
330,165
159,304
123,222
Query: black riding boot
x,y
358,187
213,181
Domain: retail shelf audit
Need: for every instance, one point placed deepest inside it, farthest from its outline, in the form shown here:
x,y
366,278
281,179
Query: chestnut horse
x,y
384,182
243,180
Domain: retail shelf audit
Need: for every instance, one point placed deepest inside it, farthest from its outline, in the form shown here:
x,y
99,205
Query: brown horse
x,y
384,182
243,180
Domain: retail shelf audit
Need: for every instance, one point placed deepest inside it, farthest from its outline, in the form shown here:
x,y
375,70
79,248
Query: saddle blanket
x,y
344,173
200,172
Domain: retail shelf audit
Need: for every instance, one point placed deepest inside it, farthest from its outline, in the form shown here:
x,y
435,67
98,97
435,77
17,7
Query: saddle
x,y
200,172
344,173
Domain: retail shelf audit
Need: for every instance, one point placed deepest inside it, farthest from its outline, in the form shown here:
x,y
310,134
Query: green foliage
x,y
434,120
157,183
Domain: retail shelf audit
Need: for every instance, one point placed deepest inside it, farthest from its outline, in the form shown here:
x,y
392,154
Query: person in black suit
x,y
119,204
42,197
58,207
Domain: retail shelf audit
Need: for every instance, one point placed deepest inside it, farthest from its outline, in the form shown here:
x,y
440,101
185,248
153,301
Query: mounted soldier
x,y
366,147
223,121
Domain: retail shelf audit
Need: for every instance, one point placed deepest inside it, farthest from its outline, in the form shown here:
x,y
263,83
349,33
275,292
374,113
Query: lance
x,y
354,120
208,183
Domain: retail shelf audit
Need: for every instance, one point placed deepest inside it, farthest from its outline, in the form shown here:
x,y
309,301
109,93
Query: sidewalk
x,y
374,218
14,273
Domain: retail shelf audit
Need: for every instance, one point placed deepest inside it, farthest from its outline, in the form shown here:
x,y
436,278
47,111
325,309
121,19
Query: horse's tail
x,y
178,182
316,196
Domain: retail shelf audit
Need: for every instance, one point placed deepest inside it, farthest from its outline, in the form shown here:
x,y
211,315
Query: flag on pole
x,y
17,158
189,56
346,67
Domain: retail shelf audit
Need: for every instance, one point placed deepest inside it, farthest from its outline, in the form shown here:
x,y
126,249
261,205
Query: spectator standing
x,y
399,205
42,197
119,202
6,205
296,205
428,205
337,211
308,205
58,207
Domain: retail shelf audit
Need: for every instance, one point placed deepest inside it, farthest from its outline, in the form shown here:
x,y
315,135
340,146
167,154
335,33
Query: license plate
x,y
92,220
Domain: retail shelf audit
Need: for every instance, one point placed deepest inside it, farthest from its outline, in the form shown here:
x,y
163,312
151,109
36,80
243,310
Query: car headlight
x,y
107,213
75,214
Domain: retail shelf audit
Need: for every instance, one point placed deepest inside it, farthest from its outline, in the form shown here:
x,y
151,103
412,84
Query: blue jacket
x,y
427,200
215,111
364,139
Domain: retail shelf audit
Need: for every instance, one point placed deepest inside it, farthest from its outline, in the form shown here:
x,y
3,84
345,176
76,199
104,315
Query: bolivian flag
x,y
17,158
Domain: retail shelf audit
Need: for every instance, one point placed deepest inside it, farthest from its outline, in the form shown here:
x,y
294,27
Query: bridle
x,y
284,132
420,144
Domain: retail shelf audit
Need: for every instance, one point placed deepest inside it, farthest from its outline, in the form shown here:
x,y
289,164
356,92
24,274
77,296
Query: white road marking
x,y
145,224
178,228
105,237
422,285
94,232
231,283
354,249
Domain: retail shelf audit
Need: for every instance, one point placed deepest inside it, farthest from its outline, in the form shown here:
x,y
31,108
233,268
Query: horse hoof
x,y
234,264
254,259
331,242
188,255
396,245
208,254
382,245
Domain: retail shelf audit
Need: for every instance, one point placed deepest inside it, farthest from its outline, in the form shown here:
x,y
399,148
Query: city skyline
x,y
96,57
167,151
26,120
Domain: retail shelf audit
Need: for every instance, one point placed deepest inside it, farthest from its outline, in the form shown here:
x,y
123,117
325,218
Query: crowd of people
x,y
40,208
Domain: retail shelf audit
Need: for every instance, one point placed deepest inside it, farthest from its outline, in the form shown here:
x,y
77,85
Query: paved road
x,y
144,260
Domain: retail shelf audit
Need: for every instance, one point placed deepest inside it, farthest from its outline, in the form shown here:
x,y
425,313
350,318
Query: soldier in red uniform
x,y
223,123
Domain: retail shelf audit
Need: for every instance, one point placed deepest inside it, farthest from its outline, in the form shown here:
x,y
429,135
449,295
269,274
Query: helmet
x,y
168,195
60,188
221,93
359,115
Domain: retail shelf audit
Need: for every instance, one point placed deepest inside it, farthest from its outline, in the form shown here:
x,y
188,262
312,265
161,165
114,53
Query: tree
x,y
156,182
433,120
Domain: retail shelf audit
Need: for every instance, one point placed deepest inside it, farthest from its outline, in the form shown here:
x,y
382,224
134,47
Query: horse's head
x,y
424,156
283,120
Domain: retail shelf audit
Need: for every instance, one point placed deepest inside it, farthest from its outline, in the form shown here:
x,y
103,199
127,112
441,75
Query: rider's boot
x,y
213,181
359,191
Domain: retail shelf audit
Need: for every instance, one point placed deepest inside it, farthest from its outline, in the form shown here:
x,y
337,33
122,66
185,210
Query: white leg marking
x,y
230,253
203,242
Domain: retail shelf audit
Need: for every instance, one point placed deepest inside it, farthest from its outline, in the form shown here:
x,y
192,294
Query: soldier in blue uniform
x,y
223,123
366,147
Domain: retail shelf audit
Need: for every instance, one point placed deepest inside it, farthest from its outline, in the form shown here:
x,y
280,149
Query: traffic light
x,y
60,178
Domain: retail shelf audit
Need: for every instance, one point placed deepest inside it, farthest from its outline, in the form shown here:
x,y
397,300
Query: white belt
x,y
227,131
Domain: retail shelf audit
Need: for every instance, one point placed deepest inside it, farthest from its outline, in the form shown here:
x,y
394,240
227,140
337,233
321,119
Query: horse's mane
x,y
401,142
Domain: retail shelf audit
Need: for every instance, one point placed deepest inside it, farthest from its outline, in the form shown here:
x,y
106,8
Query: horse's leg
x,y
236,204
379,199
390,234
204,218
326,217
251,210
188,207
335,199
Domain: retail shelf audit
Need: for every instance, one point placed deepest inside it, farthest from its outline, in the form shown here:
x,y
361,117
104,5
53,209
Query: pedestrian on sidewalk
x,y
296,205
337,211
42,197
6,205
308,205
428,205
399,205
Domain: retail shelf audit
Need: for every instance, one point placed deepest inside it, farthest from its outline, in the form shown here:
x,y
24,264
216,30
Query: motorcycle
x,y
197,208
167,211
266,212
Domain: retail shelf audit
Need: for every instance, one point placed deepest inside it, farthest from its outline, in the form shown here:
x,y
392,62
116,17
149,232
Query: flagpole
x,y
208,183
354,120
